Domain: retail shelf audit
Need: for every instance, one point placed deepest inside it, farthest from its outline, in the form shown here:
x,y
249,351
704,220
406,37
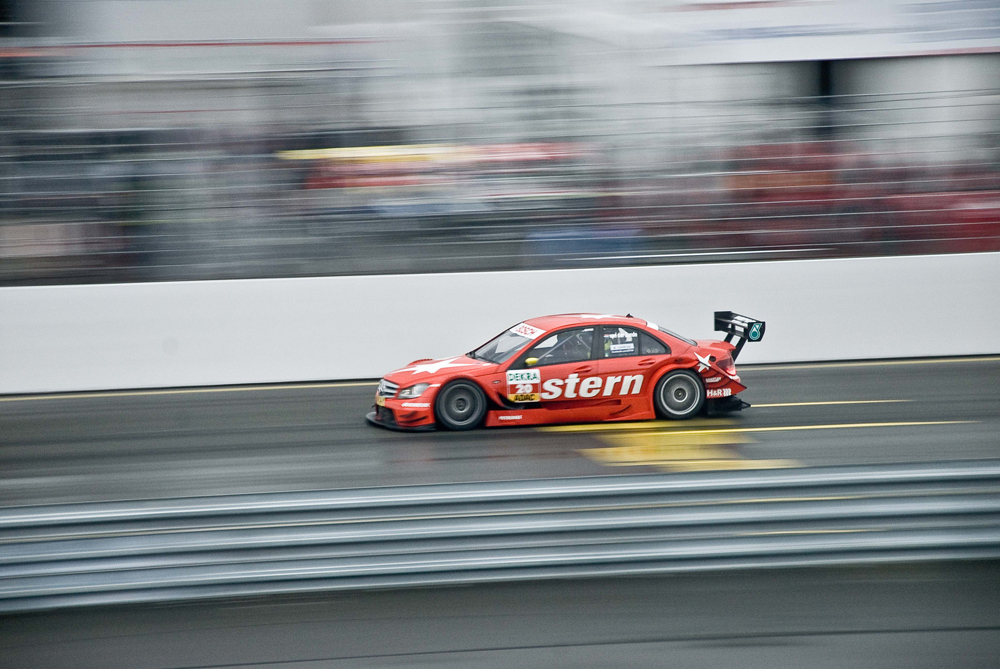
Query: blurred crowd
x,y
176,194
184,204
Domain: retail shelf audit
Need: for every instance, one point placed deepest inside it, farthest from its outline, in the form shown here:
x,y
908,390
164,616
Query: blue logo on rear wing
x,y
739,327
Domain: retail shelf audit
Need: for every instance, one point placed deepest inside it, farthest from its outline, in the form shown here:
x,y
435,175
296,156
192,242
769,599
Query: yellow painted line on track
x,y
654,424
869,363
696,451
834,426
704,449
633,425
676,450
676,463
184,391
830,403
654,427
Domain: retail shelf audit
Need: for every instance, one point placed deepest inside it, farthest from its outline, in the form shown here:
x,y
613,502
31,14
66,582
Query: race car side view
x,y
571,368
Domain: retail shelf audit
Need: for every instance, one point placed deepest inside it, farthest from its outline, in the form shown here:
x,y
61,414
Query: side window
x,y
651,346
620,342
565,346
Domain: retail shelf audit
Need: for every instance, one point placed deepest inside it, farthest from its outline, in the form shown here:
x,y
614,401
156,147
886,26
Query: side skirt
x,y
513,417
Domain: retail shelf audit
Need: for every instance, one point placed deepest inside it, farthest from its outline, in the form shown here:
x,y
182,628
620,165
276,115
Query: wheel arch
x,y
660,378
666,369
487,394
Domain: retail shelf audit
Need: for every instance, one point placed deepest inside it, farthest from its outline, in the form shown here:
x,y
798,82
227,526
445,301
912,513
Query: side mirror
x,y
530,362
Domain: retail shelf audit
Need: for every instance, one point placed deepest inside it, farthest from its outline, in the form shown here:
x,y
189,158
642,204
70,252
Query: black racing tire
x,y
679,395
460,405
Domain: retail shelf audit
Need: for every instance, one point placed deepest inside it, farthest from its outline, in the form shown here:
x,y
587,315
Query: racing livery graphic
x,y
523,385
571,368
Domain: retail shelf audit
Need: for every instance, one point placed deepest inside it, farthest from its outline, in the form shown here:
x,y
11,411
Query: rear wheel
x,y
460,405
679,395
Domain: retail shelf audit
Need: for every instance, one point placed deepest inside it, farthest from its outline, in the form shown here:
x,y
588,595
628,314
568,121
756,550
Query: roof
x,y
562,320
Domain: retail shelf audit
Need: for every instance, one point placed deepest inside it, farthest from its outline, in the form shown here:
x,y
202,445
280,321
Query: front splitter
x,y
370,417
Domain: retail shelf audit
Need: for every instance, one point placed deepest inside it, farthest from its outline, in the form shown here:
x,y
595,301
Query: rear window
x,y
651,346
654,326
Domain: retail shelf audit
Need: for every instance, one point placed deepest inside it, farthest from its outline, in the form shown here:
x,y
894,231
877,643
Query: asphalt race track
x,y
893,617
151,444
168,443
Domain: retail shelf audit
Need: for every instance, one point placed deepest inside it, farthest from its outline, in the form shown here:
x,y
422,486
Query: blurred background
x,y
221,502
150,140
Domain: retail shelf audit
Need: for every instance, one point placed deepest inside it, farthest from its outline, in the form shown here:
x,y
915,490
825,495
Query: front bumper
x,y
385,417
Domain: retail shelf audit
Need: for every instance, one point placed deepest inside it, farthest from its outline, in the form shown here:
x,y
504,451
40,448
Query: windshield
x,y
502,347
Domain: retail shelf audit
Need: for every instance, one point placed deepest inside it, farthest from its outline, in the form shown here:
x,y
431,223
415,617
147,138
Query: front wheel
x,y
460,405
679,395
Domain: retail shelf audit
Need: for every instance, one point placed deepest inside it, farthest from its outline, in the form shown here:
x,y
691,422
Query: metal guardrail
x,y
162,550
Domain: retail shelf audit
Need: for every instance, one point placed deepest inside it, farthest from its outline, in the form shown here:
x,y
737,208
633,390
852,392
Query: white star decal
x,y
435,367
702,362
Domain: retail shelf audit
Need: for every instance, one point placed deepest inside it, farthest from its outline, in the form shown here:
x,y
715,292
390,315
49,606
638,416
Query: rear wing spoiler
x,y
743,328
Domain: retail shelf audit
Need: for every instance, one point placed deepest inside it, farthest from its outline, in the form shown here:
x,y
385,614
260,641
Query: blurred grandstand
x,y
460,136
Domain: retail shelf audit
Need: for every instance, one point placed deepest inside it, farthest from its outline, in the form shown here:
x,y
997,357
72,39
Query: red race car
x,y
571,368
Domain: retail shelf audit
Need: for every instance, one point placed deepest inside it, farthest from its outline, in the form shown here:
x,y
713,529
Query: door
x,y
628,357
559,371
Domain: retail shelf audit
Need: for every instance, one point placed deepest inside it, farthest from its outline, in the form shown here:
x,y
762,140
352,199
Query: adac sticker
x,y
524,385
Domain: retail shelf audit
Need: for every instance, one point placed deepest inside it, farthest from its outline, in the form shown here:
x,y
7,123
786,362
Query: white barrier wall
x,y
65,338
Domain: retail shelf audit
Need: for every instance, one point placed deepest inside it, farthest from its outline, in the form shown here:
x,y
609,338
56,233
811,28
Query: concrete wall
x,y
63,338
